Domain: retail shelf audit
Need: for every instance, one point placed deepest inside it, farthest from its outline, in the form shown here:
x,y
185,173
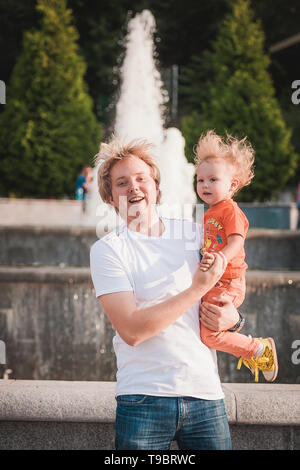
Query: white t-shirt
x,y
174,362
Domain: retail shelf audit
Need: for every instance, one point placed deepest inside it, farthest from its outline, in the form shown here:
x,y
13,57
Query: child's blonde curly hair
x,y
239,153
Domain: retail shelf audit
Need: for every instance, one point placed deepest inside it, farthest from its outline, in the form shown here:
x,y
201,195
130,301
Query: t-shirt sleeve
x,y
236,223
107,272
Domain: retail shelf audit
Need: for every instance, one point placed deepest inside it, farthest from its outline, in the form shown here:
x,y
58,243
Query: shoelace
x,y
263,363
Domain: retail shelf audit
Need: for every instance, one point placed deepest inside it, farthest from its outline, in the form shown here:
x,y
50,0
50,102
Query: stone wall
x,y
70,246
55,329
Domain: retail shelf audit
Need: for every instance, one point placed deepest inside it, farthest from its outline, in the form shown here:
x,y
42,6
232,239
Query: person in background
x,y
82,185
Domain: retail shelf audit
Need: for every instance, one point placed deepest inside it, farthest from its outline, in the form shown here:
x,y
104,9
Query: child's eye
x,y
200,180
213,180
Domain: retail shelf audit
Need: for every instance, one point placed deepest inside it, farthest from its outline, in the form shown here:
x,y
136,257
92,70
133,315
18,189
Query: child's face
x,y
215,181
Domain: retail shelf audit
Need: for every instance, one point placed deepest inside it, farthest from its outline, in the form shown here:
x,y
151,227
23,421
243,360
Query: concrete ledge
x,y
44,274
82,274
72,230
263,404
80,415
272,233
19,211
49,212
50,400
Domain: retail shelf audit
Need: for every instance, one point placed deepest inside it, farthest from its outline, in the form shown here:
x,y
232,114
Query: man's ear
x,y
157,190
111,201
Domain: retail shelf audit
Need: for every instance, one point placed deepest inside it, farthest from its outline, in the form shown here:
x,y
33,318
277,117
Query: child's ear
x,y
234,184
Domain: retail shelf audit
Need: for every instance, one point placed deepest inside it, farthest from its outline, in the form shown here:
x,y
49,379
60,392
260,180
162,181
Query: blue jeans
x,y
148,422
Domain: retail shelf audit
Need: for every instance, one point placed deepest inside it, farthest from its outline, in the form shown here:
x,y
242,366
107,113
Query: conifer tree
x,y
47,129
241,100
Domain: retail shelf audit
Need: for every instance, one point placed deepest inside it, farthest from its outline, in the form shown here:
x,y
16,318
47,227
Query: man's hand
x,y
219,318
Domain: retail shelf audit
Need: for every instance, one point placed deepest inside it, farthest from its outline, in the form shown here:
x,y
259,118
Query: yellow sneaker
x,y
267,362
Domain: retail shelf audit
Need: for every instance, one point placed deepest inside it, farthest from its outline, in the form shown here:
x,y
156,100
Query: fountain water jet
x,y
139,114
140,106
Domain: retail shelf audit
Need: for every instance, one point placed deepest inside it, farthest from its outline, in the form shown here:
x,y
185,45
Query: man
x,y
147,279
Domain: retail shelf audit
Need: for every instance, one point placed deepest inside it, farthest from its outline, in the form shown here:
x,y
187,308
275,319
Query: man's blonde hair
x,y
117,150
239,153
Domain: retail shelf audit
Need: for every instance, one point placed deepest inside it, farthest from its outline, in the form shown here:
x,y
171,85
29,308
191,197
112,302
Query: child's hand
x,y
206,261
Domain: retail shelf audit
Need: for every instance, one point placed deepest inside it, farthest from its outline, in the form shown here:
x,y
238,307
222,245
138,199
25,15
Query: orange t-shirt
x,y
220,221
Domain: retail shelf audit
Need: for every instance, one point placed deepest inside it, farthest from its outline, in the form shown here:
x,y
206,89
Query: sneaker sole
x,y
267,374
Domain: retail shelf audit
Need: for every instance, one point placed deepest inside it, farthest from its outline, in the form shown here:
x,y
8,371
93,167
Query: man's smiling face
x,y
134,191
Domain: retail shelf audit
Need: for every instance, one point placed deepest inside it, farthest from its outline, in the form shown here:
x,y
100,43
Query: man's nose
x,y
133,186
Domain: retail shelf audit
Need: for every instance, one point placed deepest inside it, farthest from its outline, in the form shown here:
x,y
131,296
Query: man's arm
x,y
136,325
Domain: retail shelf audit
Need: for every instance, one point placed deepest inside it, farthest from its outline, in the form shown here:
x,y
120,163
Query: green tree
x,y
241,100
15,17
47,129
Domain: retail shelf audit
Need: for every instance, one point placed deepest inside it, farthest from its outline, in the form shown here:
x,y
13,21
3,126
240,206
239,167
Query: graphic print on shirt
x,y
215,238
